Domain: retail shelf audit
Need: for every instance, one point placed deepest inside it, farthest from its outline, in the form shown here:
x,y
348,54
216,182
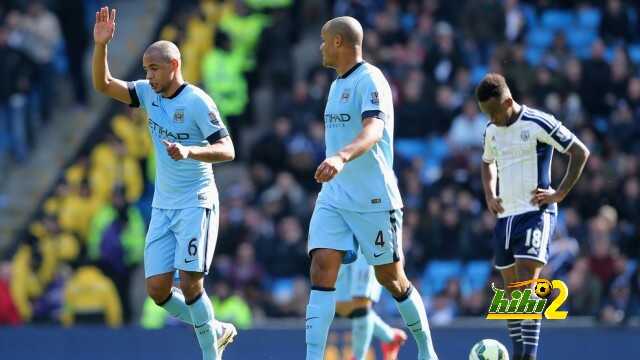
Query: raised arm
x,y
102,80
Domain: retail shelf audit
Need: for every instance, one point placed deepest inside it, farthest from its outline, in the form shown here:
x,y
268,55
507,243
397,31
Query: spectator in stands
x,y
116,244
8,311
91,297
288,257
18,73
41,38
230,307
599,74
443,58
411,115
271,148
467,128
223,78
616,25
75,43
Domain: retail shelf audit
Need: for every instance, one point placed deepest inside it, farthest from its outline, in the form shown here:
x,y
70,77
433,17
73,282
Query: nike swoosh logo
x,y
378,255
154,104
189,261
410,325
311,318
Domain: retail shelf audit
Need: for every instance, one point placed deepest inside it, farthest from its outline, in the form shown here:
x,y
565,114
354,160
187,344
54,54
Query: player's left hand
x,y
176,151
545,196
329,168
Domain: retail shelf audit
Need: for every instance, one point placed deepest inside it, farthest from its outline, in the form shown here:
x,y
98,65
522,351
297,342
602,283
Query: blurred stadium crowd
x,y
39,42
580,61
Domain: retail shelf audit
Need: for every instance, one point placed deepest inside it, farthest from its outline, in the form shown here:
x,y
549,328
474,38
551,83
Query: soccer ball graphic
x,y
488,349
543,288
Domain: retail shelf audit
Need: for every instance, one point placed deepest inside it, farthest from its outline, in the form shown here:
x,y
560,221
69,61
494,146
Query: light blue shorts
x,y
378,235
180,239
357,280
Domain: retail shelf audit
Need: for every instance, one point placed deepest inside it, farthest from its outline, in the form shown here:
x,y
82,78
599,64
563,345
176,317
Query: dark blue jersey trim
x,y
135,100
373,114
222,133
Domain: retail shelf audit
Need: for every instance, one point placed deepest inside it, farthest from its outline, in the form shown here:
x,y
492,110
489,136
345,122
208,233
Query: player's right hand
x,y
494,204
105,26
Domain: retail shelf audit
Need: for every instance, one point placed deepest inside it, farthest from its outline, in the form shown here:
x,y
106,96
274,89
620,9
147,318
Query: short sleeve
x,y
556,135
371,89
488,155
139,91
209,121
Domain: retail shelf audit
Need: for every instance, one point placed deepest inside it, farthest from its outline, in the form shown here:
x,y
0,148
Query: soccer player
x,y
356,291
359,205
518,147
187,136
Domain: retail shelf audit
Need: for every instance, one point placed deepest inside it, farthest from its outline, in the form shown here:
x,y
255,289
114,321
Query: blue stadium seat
x,y
589,18
437,273
475,276
282,289
634,53
530,15
557,19
609,53
534,55
540,37
477,73
581,38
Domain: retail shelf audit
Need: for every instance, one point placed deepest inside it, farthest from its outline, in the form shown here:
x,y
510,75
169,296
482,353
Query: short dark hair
x,y
492,86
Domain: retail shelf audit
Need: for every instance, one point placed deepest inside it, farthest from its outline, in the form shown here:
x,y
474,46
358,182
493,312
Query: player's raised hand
x,y
176,151
329,168
545,196
494,204
105,25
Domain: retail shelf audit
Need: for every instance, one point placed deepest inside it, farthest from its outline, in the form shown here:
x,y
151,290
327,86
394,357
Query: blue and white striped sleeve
x,y
555,134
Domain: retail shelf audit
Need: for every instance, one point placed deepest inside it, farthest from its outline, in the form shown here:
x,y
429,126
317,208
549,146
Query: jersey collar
x,y
178,91
356,66
517,116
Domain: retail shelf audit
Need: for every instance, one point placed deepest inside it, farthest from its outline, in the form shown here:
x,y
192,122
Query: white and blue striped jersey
x,y
523,152
367,183
190,118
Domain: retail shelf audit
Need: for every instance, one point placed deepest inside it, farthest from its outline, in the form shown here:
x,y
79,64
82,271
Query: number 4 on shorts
x,y
380,239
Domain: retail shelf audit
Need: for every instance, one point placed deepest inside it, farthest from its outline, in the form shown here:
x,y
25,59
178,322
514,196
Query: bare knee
x,y
344,308
325,264
159,288
191,285
393,278
528,269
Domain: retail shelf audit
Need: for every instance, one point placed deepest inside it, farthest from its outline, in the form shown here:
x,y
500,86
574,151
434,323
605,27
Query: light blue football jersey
x,y
190,118
367,183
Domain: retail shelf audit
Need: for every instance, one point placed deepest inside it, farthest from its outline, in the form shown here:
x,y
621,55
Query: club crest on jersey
x,y
178,116
214,119
524,135
346,93
375,100
563,134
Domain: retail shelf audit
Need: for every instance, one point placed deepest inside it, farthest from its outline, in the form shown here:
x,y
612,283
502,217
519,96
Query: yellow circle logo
x,y
543,288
